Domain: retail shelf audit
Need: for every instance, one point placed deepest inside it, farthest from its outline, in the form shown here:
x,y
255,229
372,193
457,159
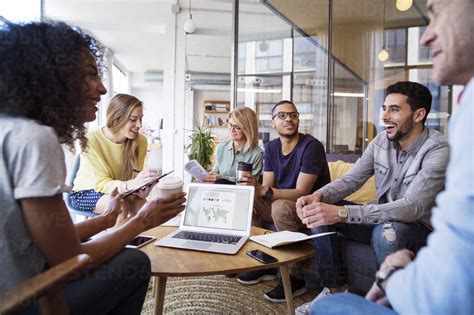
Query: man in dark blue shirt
x,y
294,165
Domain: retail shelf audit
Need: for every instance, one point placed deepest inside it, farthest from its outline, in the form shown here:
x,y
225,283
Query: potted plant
x,y
201,147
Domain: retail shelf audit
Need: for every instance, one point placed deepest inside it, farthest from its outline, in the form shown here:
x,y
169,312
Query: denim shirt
x,y
227,160
441,278
407,183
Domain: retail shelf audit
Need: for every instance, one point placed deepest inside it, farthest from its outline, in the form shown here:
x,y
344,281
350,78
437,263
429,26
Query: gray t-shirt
x,y
31,165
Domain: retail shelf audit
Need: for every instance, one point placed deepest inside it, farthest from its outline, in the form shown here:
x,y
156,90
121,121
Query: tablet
x,y
156,180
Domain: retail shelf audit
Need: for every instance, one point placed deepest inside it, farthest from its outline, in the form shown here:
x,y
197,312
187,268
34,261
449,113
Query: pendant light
x,y
383,53
263,46
403,5
189,25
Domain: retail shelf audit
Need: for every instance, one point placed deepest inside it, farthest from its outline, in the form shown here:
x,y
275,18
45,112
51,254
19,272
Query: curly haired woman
x,y
49,86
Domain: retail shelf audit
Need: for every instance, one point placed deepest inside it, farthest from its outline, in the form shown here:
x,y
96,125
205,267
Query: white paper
x,y
196,170
284,237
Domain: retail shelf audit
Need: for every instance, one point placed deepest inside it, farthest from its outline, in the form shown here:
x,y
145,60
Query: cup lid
x,y
242,166
170,182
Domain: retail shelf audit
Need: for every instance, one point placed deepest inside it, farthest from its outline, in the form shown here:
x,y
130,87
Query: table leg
x,y
160,287
285,277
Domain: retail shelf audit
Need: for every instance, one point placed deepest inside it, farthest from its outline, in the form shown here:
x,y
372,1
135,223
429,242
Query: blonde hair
x,y
246,119
119,109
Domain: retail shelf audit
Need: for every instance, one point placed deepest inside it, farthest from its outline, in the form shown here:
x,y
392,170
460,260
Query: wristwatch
x,y
383,274
343,213
269,194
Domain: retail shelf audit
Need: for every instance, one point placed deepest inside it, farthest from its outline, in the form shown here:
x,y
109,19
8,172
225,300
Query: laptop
x,y
217,218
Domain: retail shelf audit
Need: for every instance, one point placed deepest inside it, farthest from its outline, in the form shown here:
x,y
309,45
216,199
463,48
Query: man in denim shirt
x,y
409,162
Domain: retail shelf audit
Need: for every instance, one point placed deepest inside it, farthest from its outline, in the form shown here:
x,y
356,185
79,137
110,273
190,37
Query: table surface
x,y
180,262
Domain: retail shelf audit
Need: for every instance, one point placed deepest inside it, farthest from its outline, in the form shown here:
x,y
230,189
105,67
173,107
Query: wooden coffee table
x,y
171,262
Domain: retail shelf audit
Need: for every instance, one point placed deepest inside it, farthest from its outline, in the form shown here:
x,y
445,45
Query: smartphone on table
x,y
128,193
262,257
140,241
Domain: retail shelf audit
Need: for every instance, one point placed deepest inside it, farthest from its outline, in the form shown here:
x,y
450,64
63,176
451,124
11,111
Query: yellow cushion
x,y
365,194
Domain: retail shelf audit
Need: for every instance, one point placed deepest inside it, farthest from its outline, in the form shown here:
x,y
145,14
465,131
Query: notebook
x,y
217,218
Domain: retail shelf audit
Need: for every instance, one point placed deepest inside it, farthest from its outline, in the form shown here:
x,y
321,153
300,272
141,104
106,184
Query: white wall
x,y
152,98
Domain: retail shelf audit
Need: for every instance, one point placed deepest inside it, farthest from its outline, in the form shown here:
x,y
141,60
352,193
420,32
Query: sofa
x,y
358,258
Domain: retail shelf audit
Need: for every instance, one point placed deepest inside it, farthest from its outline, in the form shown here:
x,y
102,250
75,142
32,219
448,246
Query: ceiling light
x,y
263,46
348,94
383,53
189,25
403,5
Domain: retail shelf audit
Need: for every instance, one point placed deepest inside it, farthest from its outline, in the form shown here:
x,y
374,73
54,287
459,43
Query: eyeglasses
x,y
283,115
234,127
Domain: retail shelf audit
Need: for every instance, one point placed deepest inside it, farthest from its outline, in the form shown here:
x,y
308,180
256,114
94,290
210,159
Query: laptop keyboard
x,y
206,237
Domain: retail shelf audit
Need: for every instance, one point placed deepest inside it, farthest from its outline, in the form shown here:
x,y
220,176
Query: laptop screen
x,y
210,206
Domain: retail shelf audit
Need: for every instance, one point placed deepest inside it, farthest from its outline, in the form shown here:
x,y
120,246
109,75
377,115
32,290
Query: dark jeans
x,y
117,287
385,238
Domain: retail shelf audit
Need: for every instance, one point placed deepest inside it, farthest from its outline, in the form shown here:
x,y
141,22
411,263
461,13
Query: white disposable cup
x,y
154,160
169,185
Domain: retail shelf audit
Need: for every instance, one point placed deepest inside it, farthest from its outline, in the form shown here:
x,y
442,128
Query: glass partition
x,y
323,56
310,84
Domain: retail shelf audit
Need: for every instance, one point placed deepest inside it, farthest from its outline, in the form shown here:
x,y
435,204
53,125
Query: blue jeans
x,y
348,303
117,287
385,238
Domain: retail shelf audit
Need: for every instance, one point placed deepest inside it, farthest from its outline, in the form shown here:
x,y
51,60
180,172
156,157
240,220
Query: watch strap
x,y
382,275
269,194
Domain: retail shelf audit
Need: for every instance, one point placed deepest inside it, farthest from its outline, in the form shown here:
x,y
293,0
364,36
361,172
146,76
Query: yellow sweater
x,y
100,165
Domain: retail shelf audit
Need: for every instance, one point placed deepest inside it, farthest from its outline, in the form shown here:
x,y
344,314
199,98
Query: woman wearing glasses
x,y
241,147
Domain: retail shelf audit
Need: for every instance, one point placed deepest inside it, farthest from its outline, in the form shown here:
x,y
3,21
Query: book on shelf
x,y
275,239
215,121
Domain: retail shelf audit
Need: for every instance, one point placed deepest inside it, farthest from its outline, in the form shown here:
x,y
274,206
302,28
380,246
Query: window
x,y
410,61
21,10
269,55
119,80
396,44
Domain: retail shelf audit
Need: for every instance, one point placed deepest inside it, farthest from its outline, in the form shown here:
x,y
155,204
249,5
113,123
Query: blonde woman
x,y
241,147
115,155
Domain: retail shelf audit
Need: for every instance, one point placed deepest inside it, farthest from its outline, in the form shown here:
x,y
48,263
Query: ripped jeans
x,y
385,239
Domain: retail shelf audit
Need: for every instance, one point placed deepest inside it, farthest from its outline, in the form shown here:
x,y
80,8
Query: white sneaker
x,y
304,308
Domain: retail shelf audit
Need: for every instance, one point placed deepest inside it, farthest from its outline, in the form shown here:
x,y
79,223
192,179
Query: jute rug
x,y
219,295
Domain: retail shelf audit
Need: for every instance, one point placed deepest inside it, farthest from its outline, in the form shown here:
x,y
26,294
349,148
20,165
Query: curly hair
x,y
42,75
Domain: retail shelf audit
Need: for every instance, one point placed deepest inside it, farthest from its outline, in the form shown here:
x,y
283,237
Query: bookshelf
x,y
215,113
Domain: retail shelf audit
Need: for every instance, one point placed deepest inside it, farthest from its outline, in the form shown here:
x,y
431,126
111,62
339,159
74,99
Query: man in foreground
x,y
441,278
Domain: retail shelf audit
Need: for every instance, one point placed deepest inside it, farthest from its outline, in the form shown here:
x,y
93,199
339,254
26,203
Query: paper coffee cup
x,y
169,185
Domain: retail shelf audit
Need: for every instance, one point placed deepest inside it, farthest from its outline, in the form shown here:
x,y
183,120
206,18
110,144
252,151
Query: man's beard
x,y
401,132
289,135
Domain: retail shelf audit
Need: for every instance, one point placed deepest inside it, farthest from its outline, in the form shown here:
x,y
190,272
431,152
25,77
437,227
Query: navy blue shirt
x,y
307,157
